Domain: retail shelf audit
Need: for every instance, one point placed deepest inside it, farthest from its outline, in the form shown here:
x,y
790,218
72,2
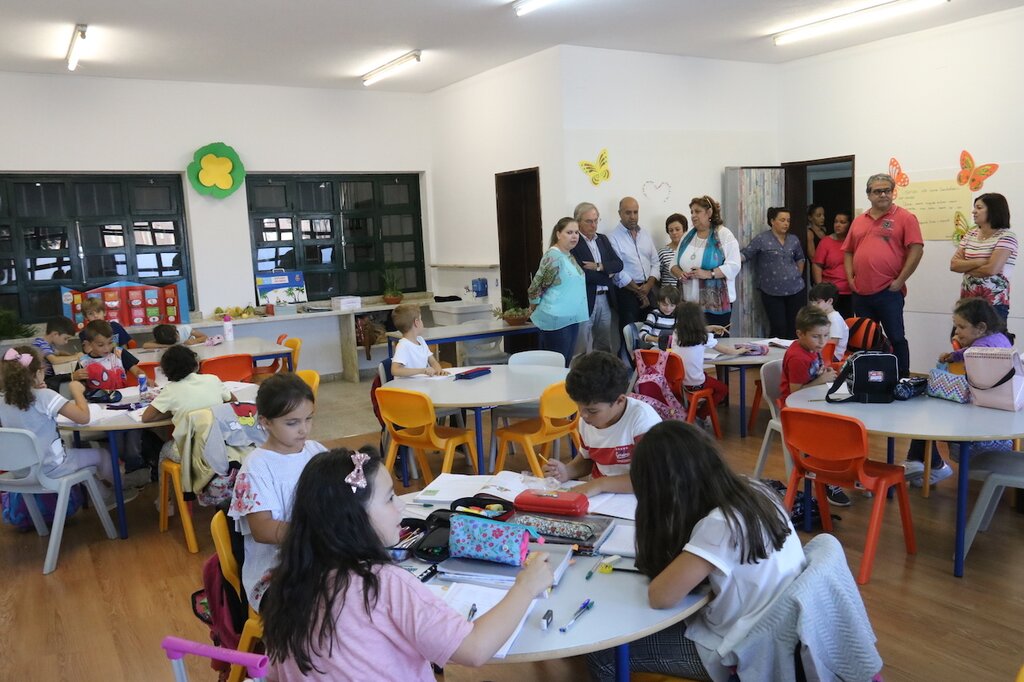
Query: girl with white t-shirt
x,y
264,491
697,520
338,608
691,337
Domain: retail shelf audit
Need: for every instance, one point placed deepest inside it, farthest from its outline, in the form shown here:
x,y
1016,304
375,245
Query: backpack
x,y
218,605
652,388
866,334
869,376
16,513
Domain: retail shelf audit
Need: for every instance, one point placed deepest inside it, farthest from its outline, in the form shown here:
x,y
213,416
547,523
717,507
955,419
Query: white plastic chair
x,y
771,375
631,338
999,470
21,455
543,358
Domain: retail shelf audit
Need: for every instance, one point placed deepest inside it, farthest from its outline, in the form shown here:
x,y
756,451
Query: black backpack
x,y
870,376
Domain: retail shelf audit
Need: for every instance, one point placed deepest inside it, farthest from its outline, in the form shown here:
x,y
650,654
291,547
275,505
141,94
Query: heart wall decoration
x,y
656,191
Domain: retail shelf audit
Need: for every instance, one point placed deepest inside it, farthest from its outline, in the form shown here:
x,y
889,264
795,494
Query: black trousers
x,y
781,312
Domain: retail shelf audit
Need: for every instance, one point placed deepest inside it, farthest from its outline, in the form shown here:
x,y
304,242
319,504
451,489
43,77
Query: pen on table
x,y
472,613
590,573
545,621
584,607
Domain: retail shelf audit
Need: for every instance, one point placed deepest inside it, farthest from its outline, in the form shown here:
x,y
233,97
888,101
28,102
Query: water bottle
x,y
229,329
143,385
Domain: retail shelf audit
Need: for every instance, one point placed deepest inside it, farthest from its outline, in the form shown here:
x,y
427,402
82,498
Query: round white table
x,y
259,349
927,419
723,363
505,385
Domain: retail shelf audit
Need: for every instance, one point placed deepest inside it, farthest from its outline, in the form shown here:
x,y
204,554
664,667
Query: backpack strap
x,y
840,380
1009,375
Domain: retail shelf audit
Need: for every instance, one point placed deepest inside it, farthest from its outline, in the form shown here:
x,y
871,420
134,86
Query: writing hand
x,y
557,470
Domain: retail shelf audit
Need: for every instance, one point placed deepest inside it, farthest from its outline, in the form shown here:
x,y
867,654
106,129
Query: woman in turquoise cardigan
x,y
558,292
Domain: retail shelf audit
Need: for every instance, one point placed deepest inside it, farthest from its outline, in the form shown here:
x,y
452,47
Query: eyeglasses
x,y
880,192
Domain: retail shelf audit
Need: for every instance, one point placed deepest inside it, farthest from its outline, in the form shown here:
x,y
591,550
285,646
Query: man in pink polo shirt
x,y
881,252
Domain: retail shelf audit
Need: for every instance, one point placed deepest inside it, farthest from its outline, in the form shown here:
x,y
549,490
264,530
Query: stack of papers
x,y
462,597
491,574
777,342
619,505
621,541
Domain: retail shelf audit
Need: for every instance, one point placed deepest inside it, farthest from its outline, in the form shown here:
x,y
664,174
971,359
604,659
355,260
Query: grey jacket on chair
x,y
822,612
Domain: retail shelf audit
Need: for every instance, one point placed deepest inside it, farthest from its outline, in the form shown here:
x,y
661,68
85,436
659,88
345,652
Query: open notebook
x,y
493,574
463,596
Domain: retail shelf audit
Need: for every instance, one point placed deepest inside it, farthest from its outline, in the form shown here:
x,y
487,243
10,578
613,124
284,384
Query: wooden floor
x,y
102,614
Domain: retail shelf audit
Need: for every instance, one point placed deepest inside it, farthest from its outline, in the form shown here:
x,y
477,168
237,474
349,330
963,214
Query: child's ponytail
x,y
18,375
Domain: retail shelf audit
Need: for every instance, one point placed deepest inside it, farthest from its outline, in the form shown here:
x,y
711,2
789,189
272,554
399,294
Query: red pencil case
x,y
560,502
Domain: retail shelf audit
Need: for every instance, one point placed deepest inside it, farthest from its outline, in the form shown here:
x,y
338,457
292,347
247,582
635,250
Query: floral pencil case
x,y
473,537
559,528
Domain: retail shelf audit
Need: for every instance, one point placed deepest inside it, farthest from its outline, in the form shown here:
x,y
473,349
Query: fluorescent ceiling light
x,y
76,45
524,7
855,19
391,68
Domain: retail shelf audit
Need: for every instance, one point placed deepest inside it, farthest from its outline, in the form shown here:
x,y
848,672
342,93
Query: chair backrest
x,y
384,371
225,553
674,370
408,409
555,402
296,345
771,385
828,353
237,367
19,449
149,369
280,339
827,442
631,337
312,378
546,358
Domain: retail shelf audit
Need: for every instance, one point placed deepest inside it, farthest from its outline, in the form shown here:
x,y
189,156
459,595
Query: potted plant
x,y
12,328
389,281
511,311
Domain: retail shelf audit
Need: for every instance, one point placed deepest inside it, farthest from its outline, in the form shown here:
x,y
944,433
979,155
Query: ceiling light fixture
x,y
391,68
854,19
524,7
76,44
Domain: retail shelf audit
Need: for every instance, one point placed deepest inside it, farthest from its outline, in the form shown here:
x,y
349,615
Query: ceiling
x,y
330,43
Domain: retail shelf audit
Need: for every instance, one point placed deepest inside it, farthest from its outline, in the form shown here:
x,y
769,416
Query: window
x,y
339,230
84,231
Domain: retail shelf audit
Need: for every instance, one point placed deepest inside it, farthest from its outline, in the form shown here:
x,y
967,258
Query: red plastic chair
x,y
237,367
149,369
674,374
832,449
263,371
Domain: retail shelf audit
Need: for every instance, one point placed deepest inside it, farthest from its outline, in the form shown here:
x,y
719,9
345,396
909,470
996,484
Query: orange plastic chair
x,y
832,449
674,374
262,371
131,344
755,405
312,378
252,631
170,475
149,369
237,367
559,417
410,420
296,346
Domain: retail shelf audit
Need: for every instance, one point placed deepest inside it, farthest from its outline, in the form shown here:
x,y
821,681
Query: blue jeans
x,y
560,340
886,308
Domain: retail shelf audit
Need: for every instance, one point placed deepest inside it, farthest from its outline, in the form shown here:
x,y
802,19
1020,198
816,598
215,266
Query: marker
x,y
472,612
545,621
584,607
428,574
590,573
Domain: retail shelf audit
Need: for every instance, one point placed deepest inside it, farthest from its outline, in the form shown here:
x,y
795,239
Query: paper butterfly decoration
x,y
598,171
973,176
960,226
901,178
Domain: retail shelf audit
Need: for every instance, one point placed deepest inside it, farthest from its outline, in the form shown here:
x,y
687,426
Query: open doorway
x,y
828,182
520,239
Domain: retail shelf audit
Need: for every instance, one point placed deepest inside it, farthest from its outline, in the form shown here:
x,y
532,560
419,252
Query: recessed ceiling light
x,y
524,7
854,19
76,45
392,67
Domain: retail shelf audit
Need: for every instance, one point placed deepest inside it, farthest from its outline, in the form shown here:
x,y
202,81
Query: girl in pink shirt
x,y
338,608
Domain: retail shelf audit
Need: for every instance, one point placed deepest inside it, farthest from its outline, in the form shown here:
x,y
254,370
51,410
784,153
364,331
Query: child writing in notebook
x,y
802,364
611,423
338,608
261,504
412,355
692,336
697,520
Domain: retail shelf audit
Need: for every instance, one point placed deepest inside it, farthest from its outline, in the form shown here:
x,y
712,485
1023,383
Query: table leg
x,y
808,526
743,402
622,663
961,508
291,366
890,457
478,424
349,349
115,465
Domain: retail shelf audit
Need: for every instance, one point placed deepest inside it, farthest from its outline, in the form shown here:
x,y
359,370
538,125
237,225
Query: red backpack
x,y
652,387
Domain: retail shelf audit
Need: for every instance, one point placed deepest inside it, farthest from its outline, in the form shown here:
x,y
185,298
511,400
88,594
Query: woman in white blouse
x,y
707,262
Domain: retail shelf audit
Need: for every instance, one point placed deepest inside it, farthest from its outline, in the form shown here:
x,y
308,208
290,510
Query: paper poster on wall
x,y
598,171
935,203
899,177
131,303
973,175
281,287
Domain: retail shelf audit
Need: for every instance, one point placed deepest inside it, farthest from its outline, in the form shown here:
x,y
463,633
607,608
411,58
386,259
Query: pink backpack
x,y
652,388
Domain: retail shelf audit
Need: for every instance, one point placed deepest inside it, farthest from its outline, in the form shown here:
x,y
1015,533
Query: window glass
x,y
277,230
396,226
105,266
103,236
317,228
152,199
38,238
395,194
46,268
356,196
270,258
165,264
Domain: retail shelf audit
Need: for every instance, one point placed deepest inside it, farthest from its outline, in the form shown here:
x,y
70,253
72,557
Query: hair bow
x,y
357,479
24,358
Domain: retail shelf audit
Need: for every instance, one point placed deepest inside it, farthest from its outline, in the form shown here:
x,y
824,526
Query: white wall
x,y
81,124
922,99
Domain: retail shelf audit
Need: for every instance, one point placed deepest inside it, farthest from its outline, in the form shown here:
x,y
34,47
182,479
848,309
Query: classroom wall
x,y
921,98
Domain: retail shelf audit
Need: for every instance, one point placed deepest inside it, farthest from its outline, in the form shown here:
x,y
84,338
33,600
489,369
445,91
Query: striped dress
x,y
993,288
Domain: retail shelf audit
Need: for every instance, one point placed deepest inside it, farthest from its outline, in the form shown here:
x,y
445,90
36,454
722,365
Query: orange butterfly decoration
x,y
901,178
971,175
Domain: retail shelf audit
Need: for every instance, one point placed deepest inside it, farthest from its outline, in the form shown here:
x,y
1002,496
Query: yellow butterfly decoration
x,y
960,226
971,175
598,171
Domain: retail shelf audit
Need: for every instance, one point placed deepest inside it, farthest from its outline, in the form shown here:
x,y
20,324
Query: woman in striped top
x,y
675,226
987,254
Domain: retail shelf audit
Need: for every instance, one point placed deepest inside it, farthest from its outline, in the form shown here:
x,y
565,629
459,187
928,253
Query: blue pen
x,y
584,607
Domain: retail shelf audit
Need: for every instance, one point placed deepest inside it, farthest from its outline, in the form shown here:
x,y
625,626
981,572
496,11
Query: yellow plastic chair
x,y
559,417
411,421
312,379
296,345
252,631
170,474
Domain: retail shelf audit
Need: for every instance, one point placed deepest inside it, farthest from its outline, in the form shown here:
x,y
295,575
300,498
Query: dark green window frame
x,y
83,231
339,230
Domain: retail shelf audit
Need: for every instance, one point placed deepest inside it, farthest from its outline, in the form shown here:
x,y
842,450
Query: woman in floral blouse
x,y
987,254
558,292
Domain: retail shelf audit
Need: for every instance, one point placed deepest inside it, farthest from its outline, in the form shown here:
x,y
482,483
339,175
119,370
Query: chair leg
x,y
164,491
794,485
499,463
762,455
985,500
531,457
754,406
184,511
821,494
60,515
33,511
997,495
926,488
713,413
93,486
471,447
392,455
874,530
421,457
903,499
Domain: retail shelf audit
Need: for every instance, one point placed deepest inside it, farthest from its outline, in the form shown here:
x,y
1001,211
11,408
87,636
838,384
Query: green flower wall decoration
x,y
216,170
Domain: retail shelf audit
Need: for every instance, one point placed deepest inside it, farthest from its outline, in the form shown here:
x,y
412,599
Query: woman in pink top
x,y
338,608
828,263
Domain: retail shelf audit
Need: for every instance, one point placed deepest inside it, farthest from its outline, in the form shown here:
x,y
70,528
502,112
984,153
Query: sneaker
x,y
111,501
913,469
837,497
170,506
938,474
139,478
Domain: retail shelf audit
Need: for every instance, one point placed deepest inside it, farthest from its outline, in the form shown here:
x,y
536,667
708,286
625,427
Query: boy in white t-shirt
x,y
611,424
822,296
412,355
166,335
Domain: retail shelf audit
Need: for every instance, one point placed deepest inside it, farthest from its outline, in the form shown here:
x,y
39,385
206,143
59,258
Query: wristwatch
x,y
600,267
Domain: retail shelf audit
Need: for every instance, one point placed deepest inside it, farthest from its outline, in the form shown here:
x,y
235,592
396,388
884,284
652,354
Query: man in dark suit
x,y
599,261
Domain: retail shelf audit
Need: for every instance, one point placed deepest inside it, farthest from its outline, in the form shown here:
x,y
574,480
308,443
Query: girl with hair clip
x,y
28,404
697,520
338,608
707,262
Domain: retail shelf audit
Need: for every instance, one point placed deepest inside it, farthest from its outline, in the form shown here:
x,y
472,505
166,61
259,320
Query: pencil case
x,y
474,537
487,507
558,502
559,528
433,546
473,373
399,553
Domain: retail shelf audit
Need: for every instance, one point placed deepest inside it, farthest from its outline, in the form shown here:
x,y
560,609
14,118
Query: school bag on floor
x,y
652,388
15,512
866,335
996,378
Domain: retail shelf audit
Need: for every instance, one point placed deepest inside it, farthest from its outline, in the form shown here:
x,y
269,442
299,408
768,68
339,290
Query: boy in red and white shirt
x,y
802,364
611,424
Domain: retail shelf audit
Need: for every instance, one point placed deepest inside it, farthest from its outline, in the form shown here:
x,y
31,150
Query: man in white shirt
x,y
640,265
600,264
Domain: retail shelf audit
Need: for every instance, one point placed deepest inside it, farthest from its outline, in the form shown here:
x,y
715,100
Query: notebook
x,y
621,541
463,596
619,505
492,574
504,485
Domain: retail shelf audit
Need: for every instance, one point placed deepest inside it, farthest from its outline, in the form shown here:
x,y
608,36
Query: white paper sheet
x,y
619,505
621,541
462,596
